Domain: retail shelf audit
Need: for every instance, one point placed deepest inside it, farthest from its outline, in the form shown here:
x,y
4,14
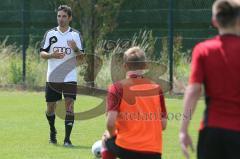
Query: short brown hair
x,y
226,12
135,58
66,9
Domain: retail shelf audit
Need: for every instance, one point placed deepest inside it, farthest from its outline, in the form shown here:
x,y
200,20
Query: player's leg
x,y
69,120
50,114
52,94
69,92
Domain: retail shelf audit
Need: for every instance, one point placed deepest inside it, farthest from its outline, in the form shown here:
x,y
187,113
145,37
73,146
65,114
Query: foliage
x,y
11,60
181,59
11,65
144,39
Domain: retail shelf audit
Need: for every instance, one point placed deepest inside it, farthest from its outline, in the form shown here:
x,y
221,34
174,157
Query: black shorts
x,y
216,143
54,91
128,154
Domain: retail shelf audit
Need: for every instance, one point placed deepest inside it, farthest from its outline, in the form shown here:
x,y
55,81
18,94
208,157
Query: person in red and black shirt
x,y
136,113
216,66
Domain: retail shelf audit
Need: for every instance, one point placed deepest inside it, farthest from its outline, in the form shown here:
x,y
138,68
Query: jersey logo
x,y
65,50
53,40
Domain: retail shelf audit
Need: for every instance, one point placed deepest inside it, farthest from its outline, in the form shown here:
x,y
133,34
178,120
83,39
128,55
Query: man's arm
x,y
164,123
191,97
45,55
76,45
111,119
77,51
56,55
163,109
113,103
72,44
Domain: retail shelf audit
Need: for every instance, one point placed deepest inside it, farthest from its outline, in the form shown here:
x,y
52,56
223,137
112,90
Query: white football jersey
x,y
61,70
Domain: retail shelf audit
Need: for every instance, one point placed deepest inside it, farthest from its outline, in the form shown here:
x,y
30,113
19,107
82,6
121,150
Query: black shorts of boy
x,y
128,154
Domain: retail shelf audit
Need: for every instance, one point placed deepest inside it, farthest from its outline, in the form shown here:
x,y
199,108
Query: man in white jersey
x,y
60,46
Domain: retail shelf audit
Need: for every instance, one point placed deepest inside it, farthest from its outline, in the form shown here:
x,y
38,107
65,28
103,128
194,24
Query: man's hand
x,y
185,141
106,136
72,44
57,55
111,120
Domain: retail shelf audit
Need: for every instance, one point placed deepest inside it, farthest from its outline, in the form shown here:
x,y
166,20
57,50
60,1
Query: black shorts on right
x,y
217,143
128,154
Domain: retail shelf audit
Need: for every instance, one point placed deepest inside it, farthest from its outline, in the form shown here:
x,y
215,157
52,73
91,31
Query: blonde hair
x,y
226,12
134,58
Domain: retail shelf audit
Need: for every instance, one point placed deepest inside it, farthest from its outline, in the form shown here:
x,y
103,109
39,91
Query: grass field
x,y
24,129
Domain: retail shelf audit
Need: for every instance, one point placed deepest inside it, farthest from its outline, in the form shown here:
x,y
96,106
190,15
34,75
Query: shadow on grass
x,y
73,147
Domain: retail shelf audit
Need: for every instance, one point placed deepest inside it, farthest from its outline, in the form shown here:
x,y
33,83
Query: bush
x,y
180,57
181,63
35,67
11,65
15,72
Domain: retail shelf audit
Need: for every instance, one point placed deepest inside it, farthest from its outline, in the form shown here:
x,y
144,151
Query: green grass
x,y
24,129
